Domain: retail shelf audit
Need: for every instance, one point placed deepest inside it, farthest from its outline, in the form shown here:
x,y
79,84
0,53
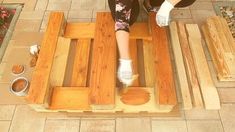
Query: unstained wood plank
x,y
209,91
183,82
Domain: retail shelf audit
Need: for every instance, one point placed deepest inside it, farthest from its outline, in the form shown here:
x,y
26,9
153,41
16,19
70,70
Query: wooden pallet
x,y
76,69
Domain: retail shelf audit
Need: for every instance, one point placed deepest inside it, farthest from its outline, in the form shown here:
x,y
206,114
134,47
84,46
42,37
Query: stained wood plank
x,y
80,67
134,58
73,98
165,88
87,30
190,66
209,92
40,84
103,65
184,86
60,61
148,51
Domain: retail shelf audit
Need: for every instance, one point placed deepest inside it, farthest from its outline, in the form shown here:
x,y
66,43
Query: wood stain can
x,y
19,86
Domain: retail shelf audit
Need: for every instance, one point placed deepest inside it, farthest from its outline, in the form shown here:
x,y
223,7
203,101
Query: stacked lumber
x,y
221,46
195,82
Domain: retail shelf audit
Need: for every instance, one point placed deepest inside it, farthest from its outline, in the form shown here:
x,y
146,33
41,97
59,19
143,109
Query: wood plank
x,y
60,61
103,65
134,58
149,69
73,98
209,91
181,73
80,67
190,66
165,91
40,84
87,30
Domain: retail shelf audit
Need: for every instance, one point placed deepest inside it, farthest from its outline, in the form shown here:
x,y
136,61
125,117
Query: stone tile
x,y
227,95
41,5
29,5
27,120
2,67
25,39
28,25
200,16
94,13
227,114
35,15
201,114
79,20
97,125
4,126
181,13
6,97
7,112
74,14
133,125
88,4
62,126
169,126
65,6
205,126
14,1
202,5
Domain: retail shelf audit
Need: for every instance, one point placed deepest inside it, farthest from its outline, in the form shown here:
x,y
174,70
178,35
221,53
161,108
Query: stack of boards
x,y
197,87
221,45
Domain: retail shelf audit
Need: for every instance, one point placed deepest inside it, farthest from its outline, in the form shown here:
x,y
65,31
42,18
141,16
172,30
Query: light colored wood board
x,y
165,88
80,67
209,91
190,66
40,84
148,51
73,98
134,58
87,30
103,65
60,62
183,82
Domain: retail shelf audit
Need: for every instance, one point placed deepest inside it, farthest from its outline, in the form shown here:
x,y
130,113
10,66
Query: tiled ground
x,y
15,116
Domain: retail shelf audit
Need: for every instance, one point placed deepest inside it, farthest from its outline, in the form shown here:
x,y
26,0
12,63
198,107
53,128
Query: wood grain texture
x,y
60,61
40,84
73,98
183,82
134,58
190,66
103,65
209,91
87,30
80,67
135,96
165,91
149,53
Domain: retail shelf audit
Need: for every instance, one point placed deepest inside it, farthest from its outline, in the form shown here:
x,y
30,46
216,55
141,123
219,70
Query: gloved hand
x,y
163,14
125,73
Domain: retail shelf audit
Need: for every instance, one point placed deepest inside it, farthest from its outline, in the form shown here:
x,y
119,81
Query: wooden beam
x,y
60,61
103,65
87,30
190,66
72,98
209,91
165,88
40,84
184,86
80,67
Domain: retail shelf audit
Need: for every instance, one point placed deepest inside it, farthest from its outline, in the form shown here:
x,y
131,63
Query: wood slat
x,y
190,66
87,30
72,98
165,88
209,92
81,63
40,84
103,65
60,61
134,58
184,86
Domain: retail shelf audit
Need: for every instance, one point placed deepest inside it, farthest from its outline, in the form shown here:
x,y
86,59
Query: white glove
x,y
163,14
125,73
